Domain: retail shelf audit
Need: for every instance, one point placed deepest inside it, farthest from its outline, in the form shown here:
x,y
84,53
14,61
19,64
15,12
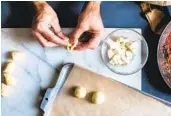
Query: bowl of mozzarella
x,y
124,51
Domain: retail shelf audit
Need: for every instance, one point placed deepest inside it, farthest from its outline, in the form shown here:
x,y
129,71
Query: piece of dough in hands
x,y
71,47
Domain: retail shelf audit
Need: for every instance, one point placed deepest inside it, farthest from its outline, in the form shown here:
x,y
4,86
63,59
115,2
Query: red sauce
x,y
168,51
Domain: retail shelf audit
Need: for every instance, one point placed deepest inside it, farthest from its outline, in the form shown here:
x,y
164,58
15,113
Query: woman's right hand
x,y
46,27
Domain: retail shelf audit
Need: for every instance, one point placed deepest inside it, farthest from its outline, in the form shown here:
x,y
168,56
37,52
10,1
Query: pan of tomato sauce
x,y
164,55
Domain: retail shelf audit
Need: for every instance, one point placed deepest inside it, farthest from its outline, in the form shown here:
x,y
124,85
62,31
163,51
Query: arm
x,y
39,4
95,5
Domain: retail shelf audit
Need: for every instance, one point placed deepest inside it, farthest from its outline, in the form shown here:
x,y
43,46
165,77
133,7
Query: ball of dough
x,y
9,79
9,67
4,90
17,55
80,92
98,98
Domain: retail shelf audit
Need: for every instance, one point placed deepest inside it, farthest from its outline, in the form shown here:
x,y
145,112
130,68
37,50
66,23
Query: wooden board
x,y
120,100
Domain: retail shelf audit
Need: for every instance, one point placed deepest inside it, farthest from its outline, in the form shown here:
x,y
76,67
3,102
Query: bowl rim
x,y
163,37
121,73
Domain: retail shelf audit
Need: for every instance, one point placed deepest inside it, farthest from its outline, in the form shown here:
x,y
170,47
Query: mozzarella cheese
x,y
120,51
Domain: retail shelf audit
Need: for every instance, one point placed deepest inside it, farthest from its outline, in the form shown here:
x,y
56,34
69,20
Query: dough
x,y
9,79
98,98
71,47
9,67
17,55
4,90
80,92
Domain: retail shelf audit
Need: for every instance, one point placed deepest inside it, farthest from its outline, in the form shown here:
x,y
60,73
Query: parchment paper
x,y
120,100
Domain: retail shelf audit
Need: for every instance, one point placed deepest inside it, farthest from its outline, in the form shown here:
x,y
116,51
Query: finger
x,y
43,41
58,31
56,27
52,37
76,35
92,44
62,36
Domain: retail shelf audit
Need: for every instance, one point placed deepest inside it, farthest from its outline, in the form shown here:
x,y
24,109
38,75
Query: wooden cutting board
x,y
120,100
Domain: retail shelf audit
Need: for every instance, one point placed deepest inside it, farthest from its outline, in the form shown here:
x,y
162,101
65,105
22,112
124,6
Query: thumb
x,y
76,35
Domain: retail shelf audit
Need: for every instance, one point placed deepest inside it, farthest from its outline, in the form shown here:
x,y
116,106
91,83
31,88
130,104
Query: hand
x,y
46,18
89,21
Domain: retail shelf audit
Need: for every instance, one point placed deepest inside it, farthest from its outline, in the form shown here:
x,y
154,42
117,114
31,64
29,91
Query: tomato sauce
x,y
168,50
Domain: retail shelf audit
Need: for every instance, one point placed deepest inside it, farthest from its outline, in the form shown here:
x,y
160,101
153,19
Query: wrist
x,y
94,5
39,5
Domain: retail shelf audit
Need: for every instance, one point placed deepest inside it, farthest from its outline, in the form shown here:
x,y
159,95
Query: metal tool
x,y
51,93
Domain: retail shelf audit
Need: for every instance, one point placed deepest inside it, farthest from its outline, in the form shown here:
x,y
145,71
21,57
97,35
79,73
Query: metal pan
x,y
161,56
